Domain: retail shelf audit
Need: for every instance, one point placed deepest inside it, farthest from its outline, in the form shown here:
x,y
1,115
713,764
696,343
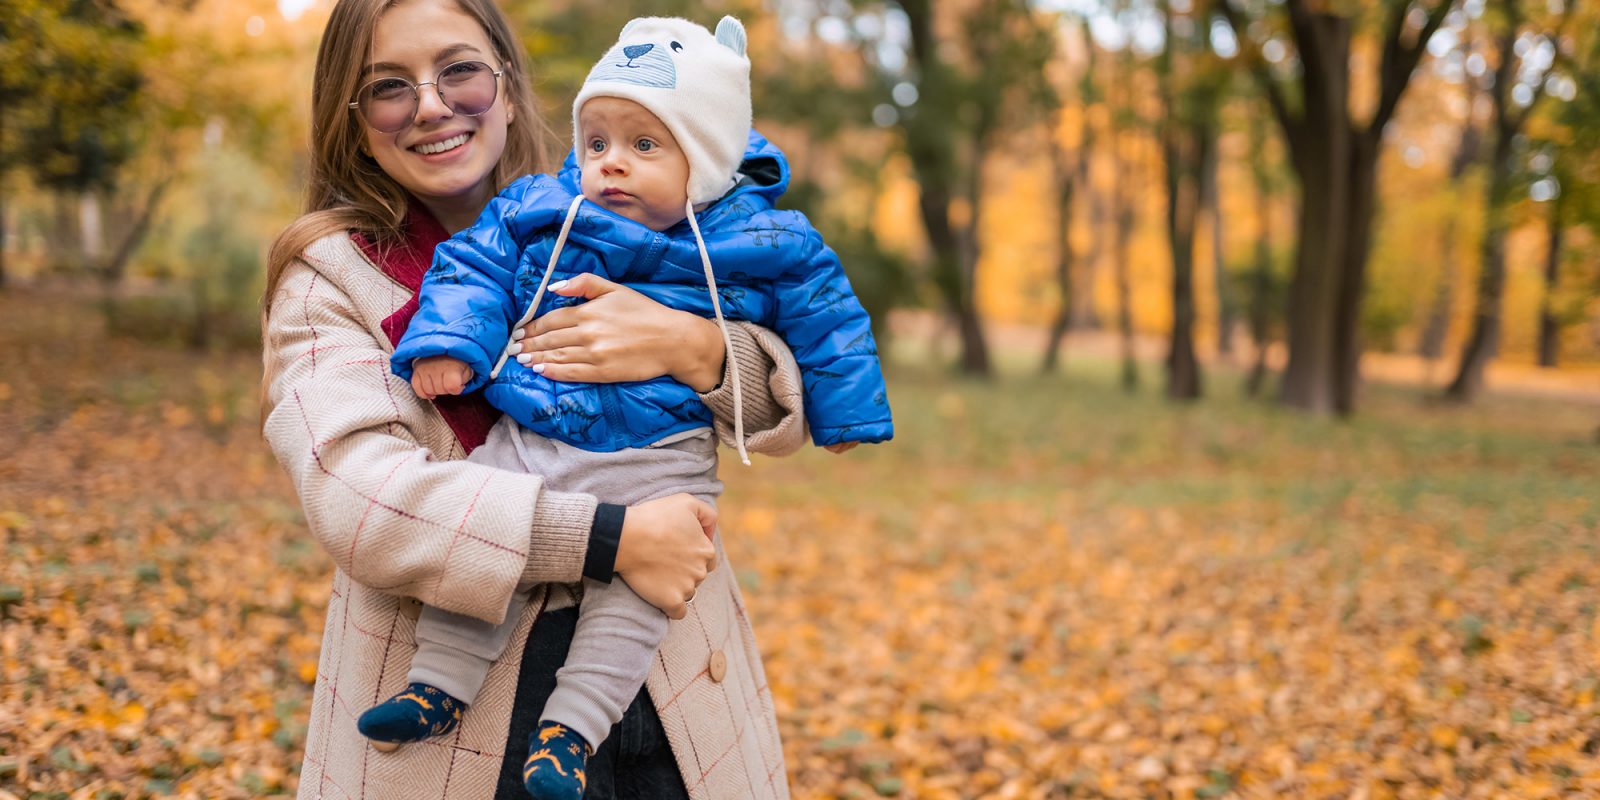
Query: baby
x,y
669,192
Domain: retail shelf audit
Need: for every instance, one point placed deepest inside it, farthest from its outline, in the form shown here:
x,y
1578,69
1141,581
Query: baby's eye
x,y
645,145
597,145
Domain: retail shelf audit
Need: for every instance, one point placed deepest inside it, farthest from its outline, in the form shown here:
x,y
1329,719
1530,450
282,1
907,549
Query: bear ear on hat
x,y
730,34
632,23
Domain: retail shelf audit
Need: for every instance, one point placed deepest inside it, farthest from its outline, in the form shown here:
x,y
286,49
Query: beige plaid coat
x,y
406,522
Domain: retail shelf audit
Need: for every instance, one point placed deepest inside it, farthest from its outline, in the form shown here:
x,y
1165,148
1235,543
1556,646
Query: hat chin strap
x,y
722,325
527,316
716,306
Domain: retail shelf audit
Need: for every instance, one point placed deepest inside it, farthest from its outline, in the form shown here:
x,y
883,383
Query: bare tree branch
x,y
1257,65
1400,60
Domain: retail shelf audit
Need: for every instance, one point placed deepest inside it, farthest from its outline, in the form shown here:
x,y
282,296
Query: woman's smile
x,y
438,147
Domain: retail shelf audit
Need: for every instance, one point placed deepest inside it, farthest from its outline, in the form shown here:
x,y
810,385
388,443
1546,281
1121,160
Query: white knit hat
x,y
697,84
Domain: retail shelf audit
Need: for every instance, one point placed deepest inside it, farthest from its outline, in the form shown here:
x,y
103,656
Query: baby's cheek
x,y
587,183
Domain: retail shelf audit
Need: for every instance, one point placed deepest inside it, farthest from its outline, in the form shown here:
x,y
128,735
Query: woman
x,y
407,522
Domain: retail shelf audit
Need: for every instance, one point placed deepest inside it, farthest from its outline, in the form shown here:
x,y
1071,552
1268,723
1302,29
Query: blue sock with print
x,y
417,713
557,758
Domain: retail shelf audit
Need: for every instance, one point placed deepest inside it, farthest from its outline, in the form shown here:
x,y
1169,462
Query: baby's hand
x,y
437,375
842,447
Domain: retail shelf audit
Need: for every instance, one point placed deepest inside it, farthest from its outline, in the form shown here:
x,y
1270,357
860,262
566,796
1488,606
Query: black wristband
x,y
600,562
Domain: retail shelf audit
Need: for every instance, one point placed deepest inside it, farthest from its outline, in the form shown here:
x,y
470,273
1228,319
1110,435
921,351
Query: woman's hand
x,y
666,551
620,335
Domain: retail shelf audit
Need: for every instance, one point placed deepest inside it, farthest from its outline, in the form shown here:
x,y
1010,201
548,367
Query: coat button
x,y
411,607
717,665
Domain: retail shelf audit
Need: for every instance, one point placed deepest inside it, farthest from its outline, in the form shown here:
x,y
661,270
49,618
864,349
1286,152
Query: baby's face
x,y
631,164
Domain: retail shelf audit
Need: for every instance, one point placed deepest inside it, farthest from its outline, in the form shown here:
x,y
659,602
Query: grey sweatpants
x,y
618,632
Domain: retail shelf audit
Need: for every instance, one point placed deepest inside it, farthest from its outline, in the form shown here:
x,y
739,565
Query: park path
x,y
920,332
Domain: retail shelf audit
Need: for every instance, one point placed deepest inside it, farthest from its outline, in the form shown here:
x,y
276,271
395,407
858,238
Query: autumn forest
x,y
1244,357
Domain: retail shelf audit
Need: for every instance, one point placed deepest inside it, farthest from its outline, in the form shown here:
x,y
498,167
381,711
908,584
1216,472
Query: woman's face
x,y
415,40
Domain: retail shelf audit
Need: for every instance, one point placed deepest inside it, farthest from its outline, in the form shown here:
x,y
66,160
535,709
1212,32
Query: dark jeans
x,y
633,763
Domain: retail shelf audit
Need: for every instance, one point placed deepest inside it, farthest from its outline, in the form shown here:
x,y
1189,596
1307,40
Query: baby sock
x,y
557,756
417,713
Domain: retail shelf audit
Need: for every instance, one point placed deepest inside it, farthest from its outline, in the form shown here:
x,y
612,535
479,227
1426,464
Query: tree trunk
x,y
933,158
1484,342
115,267
2,233
1186,143
1260,294
1219,275
62,239
1363,199
1322,150
1437,327
1308,377
1073,288
1082,309
950,276
1066,178
2,212
1124,207
1130,364
1186,149
1549,325
1431,345
1084,316
1336,164
950,253
974,346
1261,273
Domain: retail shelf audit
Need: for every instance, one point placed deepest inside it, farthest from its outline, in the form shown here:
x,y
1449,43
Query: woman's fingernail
x,y
525,359
519,333
515,348
558,285
539,368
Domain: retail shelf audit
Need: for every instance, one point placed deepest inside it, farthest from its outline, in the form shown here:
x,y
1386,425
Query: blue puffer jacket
x,y
771,266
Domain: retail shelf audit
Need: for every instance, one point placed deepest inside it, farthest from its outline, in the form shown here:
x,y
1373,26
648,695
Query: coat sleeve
x,y
467,301
819,316
453,534
769,380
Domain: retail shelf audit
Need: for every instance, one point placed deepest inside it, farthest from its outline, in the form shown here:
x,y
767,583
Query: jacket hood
x,y
765,169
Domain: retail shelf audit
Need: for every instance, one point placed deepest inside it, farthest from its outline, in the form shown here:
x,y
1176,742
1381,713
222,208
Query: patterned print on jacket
x,y
772,269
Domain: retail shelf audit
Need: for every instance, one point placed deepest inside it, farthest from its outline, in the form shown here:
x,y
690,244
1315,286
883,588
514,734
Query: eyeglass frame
x,y
416,93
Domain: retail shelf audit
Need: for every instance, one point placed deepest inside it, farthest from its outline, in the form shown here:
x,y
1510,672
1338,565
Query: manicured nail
x,y
519,333
525,359
515,348
539,368
557,285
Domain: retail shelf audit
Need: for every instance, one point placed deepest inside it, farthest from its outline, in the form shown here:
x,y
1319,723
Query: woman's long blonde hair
x,y
347,190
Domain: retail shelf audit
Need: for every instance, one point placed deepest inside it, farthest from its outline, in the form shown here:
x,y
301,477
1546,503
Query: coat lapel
x,y
469,416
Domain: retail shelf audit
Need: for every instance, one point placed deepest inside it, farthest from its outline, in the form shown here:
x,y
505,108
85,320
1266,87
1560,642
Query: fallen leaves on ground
x,y
1042,589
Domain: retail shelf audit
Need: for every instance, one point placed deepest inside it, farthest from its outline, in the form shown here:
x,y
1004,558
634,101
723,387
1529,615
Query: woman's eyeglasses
x,y
466,87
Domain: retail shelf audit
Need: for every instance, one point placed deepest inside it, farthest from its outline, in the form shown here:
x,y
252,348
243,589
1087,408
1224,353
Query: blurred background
x,y
1245,356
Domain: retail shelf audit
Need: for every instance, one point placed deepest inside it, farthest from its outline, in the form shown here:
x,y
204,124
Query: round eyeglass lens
x,y
468,87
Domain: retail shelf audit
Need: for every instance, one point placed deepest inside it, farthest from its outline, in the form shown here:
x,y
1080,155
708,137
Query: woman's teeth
x,y
440,147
